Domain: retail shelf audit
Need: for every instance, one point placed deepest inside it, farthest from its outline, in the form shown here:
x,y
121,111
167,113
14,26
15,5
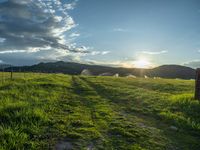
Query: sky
x,y
125,33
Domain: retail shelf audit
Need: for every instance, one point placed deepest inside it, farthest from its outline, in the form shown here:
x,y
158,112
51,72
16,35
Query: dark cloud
x,y
35,29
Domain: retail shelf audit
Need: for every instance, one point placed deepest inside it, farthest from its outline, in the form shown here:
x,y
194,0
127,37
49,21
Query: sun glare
x,y
142,63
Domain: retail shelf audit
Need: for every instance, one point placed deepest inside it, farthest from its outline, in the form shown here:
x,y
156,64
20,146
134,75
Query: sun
x,y
142,63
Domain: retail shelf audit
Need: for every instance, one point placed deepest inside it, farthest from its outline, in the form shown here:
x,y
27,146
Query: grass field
x,y
55,111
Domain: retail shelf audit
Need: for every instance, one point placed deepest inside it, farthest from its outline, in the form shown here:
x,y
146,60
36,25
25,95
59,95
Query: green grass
x,y
55,111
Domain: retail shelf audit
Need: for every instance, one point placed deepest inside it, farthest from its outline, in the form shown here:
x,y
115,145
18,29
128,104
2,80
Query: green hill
x,y
56,111
165,71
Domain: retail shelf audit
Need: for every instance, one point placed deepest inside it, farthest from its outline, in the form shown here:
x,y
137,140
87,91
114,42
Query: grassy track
x,y
49,111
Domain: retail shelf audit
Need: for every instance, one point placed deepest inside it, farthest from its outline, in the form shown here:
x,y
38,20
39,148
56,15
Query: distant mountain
x,y
172,71
3,66
165,71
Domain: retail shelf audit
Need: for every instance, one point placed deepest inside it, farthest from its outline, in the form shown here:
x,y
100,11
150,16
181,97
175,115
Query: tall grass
x,y
45,111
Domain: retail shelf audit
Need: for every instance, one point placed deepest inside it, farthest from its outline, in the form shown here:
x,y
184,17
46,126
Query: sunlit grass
x,y
43,111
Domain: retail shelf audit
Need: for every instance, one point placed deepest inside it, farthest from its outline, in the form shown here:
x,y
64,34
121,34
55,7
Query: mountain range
x,y
165,71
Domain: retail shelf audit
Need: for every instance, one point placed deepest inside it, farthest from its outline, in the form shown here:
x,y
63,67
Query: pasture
x,y
56,111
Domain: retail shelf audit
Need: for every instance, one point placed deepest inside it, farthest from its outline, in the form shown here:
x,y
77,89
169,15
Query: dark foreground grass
x,y
46,111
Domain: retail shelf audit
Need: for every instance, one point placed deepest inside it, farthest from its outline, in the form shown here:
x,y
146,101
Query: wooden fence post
x,y
2,76
11,75
197,84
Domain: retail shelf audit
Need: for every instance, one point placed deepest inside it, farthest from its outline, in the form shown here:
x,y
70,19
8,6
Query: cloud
x,y
12,51
74,35
105,52
192,63
70,6
154,53
119,63
87,51
99,52
36,26
119,30
106,63
2,40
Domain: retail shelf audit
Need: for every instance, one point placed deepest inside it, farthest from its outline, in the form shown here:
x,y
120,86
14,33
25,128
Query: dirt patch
x,y
90,147
63,145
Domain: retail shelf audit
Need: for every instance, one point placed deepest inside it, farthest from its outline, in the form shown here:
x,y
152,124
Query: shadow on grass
x,y
189,108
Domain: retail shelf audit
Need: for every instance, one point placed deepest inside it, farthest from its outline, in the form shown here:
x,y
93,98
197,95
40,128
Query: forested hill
x,y
165,71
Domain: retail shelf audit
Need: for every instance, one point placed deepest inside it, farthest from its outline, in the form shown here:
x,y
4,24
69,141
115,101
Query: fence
x,y
5,76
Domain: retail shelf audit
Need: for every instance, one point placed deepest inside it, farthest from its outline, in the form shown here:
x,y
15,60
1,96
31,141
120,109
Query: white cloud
x,y
33,29
12,51
2,40
74,35
82,49
154,52
98,53
120,30
105,52
58,18
70,6
95,53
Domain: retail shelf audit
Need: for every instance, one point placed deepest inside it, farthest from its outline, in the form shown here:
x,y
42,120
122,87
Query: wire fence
x,y
8,76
